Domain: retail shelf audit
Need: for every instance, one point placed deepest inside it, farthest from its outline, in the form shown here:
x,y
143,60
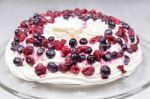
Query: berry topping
x,y
37,43
119,41
126,59
110,39
98,54
18,61
52,67
20,49
73,50
75,57
134,47
50,46
88,50
36,35
45,43
40,51
50,54
108,32
74,69
124,47
107,57
129,50
30,40
88,71
72,42
28,50
40,69
103,47
83,41
114,55
90,59
65,50
111,25
63,68
105,70
58,45
121,68
51,38
102,39
82,58
94,40
132,39
30,60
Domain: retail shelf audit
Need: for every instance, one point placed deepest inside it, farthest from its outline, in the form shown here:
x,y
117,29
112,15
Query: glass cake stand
x,y
121,88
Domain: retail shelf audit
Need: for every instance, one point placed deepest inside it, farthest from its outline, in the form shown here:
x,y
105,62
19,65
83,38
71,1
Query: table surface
x,y
134,12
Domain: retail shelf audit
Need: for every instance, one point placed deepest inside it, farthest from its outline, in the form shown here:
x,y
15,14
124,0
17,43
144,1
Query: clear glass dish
x,y
121,88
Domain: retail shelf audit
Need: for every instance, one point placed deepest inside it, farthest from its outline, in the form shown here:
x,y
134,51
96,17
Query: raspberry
x,y
121,68
134,47
40,69
30,60
74,69
111,39
94,40
28,50
88,71
58,45
45,43
98,54
63,68
65,50
21,36
29,40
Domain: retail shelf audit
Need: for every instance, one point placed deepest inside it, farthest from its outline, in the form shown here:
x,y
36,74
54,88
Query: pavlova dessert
x,y
73,47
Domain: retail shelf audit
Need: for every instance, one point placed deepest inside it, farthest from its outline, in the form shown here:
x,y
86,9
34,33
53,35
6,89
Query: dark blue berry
x,y
126,60
90,59
108,32
107,57
119,41
124,47
36,34
111,25
72,42
51,38
17,61
125,25
102,39
16,39
73,50
82,58
83,41
129,50
88,50
40,38
114,55
50,53
20,49
75,57
50,46
132,39
37,43
108,45
105,70
52,67
40,51
17,31
103,47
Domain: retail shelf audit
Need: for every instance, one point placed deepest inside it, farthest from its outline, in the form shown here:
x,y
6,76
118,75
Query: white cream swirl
x,y
67,29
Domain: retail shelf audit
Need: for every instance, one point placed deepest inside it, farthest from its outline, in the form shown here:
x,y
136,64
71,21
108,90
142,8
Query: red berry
x,y
28,50
94,40
111,39
65,50
121,68
63,68
121,32
29,40
81,49
88,71
98,54
45,43
58,45
120,54
30,60
134,47
40,69
74,69
21,36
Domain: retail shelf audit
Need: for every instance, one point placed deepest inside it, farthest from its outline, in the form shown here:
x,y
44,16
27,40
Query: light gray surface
x,y
134,12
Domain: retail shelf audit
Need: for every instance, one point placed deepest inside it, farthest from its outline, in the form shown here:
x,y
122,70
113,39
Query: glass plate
x,y
121,88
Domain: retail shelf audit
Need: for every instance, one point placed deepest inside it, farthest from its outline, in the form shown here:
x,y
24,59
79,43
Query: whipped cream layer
x,y
73,28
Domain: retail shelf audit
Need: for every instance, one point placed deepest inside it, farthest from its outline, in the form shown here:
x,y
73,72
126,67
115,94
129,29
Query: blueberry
x,y
50,53
111,25
129,50
108,45
51,38
52,67
90,59
36,34
20,49
17,61
102,39
108,32
37,43
126,59
114,55
50,45
103,47
72,42
13,47
73,50
125,25
75,57
17,31
40,51
82,58
119,41
105,70
16,39
124,47
83,41
40,38
88,50
107,57
132,39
